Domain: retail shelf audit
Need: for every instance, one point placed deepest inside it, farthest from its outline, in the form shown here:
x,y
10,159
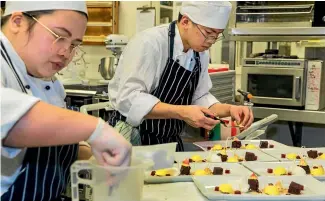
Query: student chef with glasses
x,y
39,137
162,80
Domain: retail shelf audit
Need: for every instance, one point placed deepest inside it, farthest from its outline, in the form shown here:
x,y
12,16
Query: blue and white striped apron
x,y
176,86
45,171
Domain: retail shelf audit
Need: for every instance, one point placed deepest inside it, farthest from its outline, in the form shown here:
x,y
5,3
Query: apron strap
x,y
10,64
171,35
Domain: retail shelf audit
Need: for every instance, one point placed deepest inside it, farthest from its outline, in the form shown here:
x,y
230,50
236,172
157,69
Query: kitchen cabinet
x,y
166,11
103,20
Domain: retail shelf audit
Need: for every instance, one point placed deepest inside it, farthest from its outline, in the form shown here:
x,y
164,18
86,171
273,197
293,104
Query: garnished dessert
x,y
185,168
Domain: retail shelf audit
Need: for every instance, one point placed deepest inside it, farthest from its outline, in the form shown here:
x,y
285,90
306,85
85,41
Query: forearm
x,y
164,111
47,125
221,110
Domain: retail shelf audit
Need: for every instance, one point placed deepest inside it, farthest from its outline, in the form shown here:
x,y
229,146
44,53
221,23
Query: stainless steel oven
x,y
275,81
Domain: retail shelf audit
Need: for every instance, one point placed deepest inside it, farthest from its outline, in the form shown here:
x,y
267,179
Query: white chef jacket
x,y
15,103
140,68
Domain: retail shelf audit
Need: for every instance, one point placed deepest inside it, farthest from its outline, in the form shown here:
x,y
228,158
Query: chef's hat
x,y
212,14
25,6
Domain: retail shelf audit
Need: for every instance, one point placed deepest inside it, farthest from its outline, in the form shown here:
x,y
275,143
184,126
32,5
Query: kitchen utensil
x,y
107,67
224,122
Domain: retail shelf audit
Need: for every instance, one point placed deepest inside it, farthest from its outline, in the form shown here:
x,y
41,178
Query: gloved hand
x,y
109,147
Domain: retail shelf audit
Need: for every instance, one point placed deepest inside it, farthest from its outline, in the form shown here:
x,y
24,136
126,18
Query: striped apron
x,y
45,171
176,86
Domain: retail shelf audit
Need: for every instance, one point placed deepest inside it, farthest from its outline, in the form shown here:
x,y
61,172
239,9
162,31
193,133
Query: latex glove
x,y
242,115
109,147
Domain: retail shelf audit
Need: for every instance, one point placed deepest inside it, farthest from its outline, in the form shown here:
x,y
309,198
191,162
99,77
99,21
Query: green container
x,y
215,133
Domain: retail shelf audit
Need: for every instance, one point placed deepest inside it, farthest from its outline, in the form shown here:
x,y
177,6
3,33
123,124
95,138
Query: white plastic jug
x,y
111,183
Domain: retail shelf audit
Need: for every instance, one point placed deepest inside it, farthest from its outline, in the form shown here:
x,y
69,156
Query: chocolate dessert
x,y
295,188
217,171
253,184
224,158
306,168
264,144
185,168
236,144
249,156
312,154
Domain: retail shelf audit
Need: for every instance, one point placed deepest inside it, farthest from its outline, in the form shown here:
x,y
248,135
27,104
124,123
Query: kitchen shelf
x,y
166,7
98,4
94,40
100,24
280,31
103,21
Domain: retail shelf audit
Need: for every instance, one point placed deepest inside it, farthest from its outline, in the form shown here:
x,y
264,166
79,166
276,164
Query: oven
x,y
275,81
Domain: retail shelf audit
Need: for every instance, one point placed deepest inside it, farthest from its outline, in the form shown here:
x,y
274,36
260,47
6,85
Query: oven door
x,y
275,86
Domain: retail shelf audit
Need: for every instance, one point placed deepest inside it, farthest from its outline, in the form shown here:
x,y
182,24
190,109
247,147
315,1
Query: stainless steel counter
x,y
304,116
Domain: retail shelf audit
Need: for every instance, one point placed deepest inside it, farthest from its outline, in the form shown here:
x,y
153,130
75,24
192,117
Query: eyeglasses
x,y
211,39
61,44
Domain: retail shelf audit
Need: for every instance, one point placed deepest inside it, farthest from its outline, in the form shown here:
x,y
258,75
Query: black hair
x,y
179,17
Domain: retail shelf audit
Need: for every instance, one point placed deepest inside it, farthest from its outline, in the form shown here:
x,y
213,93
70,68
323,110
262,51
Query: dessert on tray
x,y
197,159
311,154
185,168
300,169
317,170
222,156
165,172
238,144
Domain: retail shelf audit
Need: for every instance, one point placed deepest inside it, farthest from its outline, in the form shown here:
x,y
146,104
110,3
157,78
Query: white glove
x,y
108,146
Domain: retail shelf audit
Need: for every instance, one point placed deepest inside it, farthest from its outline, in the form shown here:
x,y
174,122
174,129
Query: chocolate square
x,y
185,170
295,188
236,144
264,144
253,184
224,158
312,154
217,171
249,156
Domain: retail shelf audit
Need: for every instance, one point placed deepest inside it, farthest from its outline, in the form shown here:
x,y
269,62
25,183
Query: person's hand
x,y
242,115
109,147
196,116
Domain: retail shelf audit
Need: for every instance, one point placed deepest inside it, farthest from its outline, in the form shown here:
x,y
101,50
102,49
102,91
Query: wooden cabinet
x,y
103,20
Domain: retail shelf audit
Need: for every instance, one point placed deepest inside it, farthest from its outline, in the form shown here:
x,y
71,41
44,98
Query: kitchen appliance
x,y
275,81
315,89
288,83
280,14
107,65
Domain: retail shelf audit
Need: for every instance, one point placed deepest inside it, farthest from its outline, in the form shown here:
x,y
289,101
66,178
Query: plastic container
x,y
110,183
128,181
161,154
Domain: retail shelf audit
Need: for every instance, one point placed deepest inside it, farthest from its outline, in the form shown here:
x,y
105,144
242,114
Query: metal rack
x,y
273,35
